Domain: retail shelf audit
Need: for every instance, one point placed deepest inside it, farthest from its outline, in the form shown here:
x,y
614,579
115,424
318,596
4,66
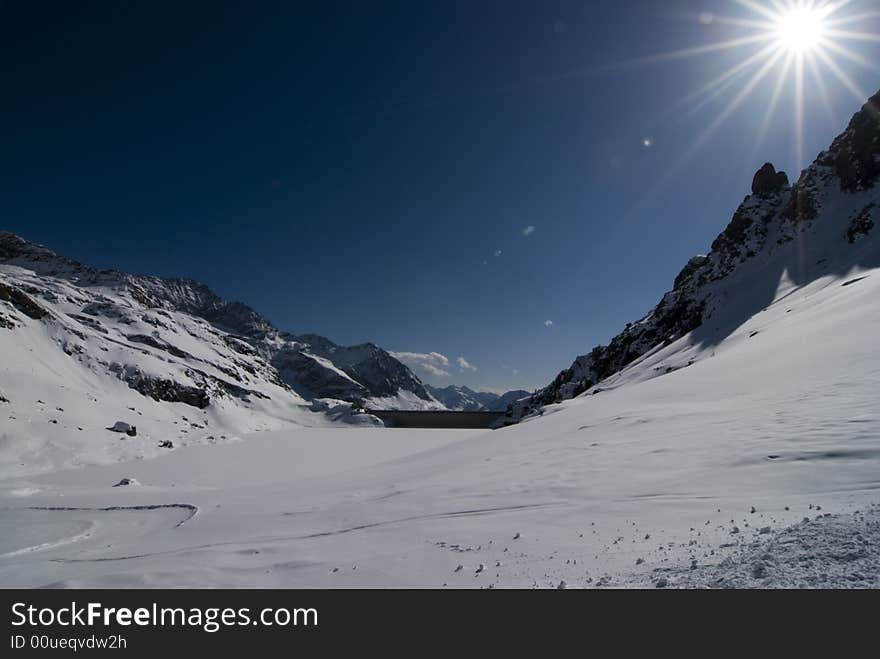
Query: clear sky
x,y
506,182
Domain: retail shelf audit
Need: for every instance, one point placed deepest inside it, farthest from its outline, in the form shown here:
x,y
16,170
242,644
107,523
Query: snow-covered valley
x,y
602,490
731,437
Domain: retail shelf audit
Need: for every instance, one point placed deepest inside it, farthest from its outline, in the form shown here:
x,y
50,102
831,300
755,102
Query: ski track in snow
x,y
88,524
192,510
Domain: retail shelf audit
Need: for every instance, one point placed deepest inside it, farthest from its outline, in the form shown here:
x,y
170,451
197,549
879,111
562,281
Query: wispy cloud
x,y
465,365
529,230
548,323
432,363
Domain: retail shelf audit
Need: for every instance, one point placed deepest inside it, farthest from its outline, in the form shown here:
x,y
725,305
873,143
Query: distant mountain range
x,y
464,399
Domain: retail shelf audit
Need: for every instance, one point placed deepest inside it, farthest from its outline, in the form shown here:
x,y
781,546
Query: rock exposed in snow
x,y
833,551
123,427
127,482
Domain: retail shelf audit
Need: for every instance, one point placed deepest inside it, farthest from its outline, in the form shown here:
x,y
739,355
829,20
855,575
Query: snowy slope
x,y
87,357
622,488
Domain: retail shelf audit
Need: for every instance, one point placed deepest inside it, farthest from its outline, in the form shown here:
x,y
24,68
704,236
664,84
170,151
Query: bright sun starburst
x,y
801,30
794,43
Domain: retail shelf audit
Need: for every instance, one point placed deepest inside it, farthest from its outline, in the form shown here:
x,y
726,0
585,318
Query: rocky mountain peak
x,y
855,154
768,181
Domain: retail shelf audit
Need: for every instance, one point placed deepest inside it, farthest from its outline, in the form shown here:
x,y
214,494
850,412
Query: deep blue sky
x,y
352,169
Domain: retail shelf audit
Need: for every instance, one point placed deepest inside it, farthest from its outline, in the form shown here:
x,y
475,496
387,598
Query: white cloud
x,y
465,365
433,363
529,230
548,323
436,372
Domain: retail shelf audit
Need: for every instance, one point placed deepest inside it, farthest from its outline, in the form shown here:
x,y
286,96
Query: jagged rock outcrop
x,y
861,224
161,389
21,301
854,154
768,181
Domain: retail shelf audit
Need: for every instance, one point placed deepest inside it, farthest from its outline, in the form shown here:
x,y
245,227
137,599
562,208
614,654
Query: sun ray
x,y
858,18
851,56
834,7
717,123
844,79
854,36
823,92
729,74
799,110
700,50
736,102
760,9
696,108
830,7
742,22
774,102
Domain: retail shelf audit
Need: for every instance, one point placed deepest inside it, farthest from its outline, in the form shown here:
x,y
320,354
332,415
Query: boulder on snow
x,y
122,426
126,482
166,443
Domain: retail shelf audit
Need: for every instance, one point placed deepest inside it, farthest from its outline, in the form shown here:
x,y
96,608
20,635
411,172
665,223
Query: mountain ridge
x,y
376,374
465,399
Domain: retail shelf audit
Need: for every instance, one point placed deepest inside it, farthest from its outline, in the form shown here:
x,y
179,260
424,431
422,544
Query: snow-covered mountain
x,y
383,381
83,348
465,399
781,237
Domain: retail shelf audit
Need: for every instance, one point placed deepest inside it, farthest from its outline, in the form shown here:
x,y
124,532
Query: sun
x,y
800,47
801,30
